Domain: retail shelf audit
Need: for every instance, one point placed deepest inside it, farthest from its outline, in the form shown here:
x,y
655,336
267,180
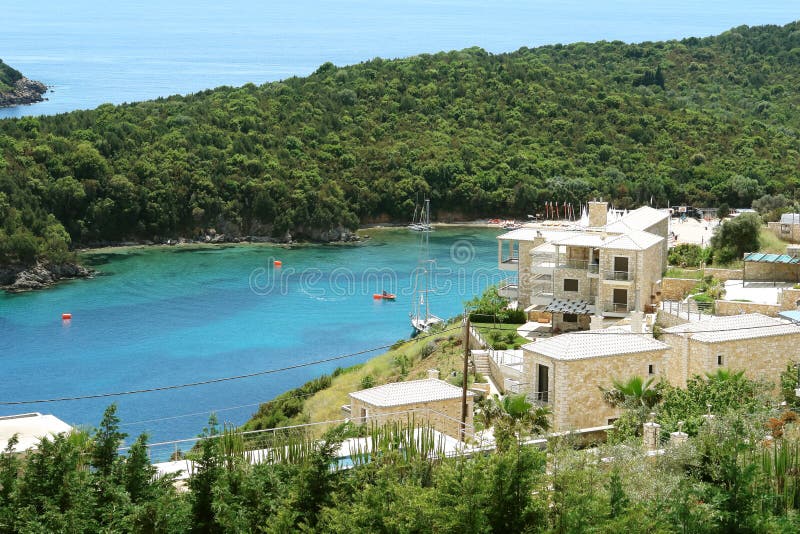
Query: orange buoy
x,y
66,316
277,263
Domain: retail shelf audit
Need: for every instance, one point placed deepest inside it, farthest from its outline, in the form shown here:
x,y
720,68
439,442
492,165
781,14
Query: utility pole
x,y
464,381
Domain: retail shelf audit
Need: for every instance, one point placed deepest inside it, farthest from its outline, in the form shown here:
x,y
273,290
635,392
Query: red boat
x,y
384,296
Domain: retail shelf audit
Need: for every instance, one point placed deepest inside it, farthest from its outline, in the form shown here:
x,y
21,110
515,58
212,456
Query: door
x,y
543,383
620,267
620,299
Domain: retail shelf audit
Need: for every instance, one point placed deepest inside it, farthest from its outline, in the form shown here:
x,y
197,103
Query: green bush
x,y
689,255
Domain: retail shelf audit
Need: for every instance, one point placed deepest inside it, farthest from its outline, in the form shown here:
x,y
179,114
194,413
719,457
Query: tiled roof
x,y
579,307
595,344
735,327
758,257
413,392
639,219
583,239
529,234
29,427
632,240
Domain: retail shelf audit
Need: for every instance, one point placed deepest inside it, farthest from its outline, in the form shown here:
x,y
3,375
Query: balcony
x,y
508,288
618,276
540,398
509,263
615,309
594,268
573,264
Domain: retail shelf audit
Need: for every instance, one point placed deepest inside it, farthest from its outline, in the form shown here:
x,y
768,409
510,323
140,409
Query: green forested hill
x,y
702,121
8,76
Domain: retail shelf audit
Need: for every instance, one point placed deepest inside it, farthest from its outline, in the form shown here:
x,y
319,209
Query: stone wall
x,y
772,272
677,288
789,299
792,233
723,274
665,319
443,415
761,358
574,385
733,307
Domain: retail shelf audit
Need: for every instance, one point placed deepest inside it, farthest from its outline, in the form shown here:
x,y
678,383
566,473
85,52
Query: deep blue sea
x,y
92,52
161,316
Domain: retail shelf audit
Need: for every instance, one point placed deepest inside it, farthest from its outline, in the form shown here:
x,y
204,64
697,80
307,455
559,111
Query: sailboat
x,y
423,224
421,317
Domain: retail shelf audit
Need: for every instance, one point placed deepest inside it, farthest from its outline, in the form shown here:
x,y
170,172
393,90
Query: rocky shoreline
x,y
19,278
26,91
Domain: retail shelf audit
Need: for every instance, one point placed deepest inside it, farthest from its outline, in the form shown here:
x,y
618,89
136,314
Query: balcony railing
x,y
573,264
594,268
615,307
540,397
510,259
618,275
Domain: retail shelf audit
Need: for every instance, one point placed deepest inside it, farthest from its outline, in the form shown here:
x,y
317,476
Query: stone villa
x,y
600,267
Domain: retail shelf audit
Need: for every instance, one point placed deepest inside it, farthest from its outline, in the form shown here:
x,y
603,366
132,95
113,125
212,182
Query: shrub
x,y
367,381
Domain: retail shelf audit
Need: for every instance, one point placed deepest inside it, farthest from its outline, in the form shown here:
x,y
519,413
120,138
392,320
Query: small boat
x,y
510,225
384,296
494,221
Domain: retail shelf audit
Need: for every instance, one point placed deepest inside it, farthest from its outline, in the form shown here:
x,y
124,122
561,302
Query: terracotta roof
x,y
412,392
595,344
735,327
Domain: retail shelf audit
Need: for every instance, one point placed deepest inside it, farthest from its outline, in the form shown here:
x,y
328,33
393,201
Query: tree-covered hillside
x,y
8,76
702,121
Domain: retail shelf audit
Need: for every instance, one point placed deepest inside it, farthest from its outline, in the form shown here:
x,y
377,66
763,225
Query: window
x,y
570,284
651,369
720,360
570,318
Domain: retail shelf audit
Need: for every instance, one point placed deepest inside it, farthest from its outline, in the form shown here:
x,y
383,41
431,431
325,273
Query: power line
x,y
214,380
229,408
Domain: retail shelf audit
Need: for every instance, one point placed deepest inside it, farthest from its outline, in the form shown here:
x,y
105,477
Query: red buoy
x,y
277,263
66,316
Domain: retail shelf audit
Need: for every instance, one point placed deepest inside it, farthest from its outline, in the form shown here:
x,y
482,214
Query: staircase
x,y
481,360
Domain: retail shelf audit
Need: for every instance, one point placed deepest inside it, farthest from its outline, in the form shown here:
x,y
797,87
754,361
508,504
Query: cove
x,y
158,316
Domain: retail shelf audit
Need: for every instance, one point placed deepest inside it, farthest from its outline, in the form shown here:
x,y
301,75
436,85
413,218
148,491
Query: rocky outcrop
x,y
25,91
19,278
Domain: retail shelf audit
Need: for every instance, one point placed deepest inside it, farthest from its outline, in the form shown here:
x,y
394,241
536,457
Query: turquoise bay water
x,y
96,52
162,316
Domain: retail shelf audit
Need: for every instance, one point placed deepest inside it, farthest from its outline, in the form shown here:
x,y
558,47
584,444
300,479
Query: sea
x,y
91,52
156,317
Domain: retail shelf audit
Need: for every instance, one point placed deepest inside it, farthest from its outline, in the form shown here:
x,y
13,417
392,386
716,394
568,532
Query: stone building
x,y
788,228
566,372
760,346
575,271
430,399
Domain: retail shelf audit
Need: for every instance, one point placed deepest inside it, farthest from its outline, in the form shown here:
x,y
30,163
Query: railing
x,y
616,307
618,275
503,357
510,259
594,268
508,288
540,397
573,264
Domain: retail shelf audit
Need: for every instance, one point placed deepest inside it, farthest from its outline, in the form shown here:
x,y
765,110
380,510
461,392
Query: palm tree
x,y
513,418
635,393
